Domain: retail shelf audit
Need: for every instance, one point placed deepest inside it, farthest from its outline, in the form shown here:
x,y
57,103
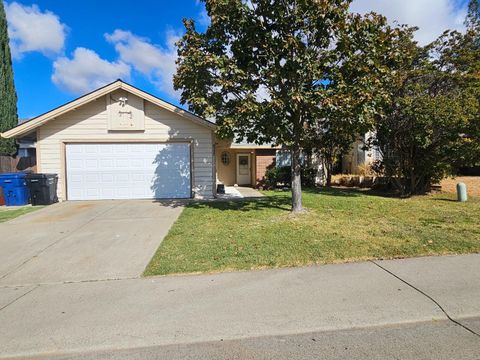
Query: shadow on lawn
x,y
350,192
280,200
268,202
341,192
445,199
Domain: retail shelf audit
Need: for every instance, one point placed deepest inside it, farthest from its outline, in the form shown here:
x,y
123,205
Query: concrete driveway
x,y
83,241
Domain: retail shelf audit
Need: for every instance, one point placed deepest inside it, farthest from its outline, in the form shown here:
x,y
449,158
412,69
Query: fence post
x,y
462,192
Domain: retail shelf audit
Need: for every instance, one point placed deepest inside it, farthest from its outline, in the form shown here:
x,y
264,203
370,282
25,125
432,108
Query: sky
x,y
63,49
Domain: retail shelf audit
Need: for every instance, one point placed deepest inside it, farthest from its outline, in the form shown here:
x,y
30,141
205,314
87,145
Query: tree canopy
x,y
432,123
280,71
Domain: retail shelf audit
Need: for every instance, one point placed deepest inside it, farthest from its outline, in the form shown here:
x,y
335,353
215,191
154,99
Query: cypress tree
x,y
8,96
472,22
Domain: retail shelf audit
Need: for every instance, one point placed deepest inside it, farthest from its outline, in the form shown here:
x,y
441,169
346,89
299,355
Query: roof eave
x,y
33,124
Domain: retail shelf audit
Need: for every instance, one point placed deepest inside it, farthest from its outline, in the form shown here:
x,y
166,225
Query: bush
x,y
283,176
308,177
278,175
271,178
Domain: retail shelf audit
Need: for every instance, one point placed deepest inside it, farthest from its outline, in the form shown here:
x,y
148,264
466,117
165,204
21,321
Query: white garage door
x,y
128,171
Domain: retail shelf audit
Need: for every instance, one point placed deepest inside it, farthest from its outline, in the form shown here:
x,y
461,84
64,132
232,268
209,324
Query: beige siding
x,y
355,161
90,123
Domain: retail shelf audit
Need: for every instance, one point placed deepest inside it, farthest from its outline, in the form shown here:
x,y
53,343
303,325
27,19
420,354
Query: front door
x,y
243,169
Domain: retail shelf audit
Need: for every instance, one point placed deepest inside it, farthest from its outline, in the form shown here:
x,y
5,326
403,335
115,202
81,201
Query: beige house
x,y
119,142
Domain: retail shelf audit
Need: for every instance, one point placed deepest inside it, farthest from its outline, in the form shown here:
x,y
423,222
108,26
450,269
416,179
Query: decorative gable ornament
x,y
125,112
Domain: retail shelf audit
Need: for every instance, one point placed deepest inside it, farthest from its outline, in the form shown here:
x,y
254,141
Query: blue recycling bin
x,y
15,190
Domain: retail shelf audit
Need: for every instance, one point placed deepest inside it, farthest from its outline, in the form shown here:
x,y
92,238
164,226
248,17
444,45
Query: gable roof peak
x,y
30,125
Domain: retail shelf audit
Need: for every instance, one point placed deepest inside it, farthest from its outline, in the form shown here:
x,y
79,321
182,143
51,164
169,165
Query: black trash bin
x,y
43,188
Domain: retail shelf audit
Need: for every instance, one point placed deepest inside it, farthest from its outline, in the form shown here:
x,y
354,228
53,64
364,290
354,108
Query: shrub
x,y
308,176
283,175
365,170
271,176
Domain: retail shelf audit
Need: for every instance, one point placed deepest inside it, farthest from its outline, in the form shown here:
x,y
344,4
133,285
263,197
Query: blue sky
x,y
62,49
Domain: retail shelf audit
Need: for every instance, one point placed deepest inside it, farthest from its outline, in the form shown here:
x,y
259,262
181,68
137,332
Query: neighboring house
x,y
26,148
119,142
359,159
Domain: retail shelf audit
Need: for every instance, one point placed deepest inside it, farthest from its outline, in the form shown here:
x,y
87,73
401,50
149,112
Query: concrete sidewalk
x,y
174,310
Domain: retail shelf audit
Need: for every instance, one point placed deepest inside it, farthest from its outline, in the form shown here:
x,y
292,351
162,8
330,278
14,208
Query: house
x,y
359,159
119,142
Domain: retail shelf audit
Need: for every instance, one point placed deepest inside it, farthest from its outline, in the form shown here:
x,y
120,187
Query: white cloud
x,y
203,18
30,29
154,61
86,71
431,16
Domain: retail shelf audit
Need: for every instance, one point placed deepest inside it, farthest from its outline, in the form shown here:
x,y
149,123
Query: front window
x,y
225,157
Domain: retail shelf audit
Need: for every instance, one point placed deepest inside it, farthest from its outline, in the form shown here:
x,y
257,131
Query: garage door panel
x,y
128,171
107,163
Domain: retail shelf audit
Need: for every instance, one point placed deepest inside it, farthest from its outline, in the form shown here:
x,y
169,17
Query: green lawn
x,y
9,213
341,225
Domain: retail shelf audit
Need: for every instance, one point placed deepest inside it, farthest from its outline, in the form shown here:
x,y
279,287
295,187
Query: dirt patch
x,y
473,184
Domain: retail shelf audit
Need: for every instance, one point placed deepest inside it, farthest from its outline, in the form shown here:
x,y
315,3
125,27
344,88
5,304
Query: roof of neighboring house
x,y
30,125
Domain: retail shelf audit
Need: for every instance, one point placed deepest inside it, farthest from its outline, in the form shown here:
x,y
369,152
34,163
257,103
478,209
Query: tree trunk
x,y
329,178
413,182
296,180
328,168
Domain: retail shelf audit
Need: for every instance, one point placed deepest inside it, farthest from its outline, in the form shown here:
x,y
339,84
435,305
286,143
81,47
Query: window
x,y
225,158
284,158
243,160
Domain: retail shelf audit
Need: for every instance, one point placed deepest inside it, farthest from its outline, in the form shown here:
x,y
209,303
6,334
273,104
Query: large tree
x,y
432,125
472,21
8,96
261,67
358,90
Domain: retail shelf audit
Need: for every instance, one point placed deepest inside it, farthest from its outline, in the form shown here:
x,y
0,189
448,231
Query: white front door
x,y
243,169
128,171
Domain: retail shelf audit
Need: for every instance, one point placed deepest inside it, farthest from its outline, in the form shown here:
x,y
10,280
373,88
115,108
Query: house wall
x,y
265,159
357,157
227,174
89,123
317,163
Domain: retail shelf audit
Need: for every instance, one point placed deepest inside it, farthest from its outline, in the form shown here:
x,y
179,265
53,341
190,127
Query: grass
x,y
472,183
11,213
340,226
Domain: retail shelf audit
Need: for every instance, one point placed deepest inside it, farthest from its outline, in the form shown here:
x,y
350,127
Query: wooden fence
x,y
18,164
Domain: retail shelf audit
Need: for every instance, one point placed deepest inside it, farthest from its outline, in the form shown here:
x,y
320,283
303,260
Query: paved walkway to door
x,y
240,192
